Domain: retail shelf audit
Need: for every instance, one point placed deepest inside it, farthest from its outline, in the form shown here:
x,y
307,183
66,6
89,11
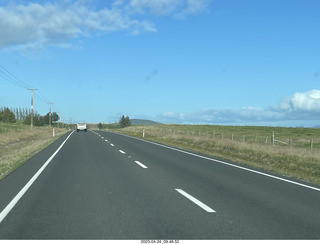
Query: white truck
x,y
82,126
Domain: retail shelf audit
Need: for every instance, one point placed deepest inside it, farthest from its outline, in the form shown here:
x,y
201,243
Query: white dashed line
x,y
121,151
141,165
196,201
225,163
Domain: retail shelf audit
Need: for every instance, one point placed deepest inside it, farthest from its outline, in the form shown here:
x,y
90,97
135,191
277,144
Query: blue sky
x,y
230,62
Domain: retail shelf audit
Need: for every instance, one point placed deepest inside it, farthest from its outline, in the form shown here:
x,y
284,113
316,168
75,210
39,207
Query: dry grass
x,y
16,147
299,163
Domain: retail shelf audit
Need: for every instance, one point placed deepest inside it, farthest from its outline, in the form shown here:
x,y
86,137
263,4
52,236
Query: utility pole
x,y
58,119
50,114
32,106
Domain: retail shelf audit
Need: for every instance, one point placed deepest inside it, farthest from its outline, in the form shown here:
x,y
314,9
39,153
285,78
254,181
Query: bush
x,y
7,116
124,121
37,120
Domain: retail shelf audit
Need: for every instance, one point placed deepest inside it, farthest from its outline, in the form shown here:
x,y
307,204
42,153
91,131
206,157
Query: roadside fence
x,y
274,138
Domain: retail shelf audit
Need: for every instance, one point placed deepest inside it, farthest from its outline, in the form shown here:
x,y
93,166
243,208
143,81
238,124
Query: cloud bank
x,y
301,109
36,26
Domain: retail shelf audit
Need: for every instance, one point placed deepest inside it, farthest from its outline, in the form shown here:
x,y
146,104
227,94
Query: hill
x,y
143,122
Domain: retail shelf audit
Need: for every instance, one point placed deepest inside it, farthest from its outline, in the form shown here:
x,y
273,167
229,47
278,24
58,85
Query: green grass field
x,y
6,127
296,137
18,143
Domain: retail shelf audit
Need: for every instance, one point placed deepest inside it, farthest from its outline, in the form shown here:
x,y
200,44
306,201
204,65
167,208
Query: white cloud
x,y
193,7
299,109
37,25
179,8
157,7
308,101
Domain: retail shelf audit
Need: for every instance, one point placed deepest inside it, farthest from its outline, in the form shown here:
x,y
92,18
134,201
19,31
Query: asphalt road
x,y
102,185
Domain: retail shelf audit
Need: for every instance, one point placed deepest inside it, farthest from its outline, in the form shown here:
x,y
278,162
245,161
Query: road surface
x,y
102,185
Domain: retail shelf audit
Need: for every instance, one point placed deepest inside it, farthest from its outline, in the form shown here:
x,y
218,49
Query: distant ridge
x,y
143,122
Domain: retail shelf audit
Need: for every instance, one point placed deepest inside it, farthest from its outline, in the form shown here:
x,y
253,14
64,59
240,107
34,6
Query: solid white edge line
x,y
15,200
196,201
141,165
225,163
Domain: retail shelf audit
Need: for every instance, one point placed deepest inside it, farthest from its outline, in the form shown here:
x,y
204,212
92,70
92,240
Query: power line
x,y
8,76
41,97
5,74
11,78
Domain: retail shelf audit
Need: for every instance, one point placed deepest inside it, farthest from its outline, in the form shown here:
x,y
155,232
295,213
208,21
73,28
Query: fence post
x,y
272,138
232,136
289,142
311,142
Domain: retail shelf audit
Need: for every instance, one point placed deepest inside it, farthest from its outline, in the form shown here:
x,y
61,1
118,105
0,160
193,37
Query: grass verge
x,y
18,146
298,163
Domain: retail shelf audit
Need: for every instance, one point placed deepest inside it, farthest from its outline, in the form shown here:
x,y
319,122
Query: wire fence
x,y
310,141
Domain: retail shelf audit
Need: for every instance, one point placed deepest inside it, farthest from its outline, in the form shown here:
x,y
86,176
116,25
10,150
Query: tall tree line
x,y
11,115
19,113
6,115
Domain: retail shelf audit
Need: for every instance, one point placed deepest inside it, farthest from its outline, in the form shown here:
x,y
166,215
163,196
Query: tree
x,y
124,121
128,121
26,112
55,117
7,116
100,126
38,120
46,118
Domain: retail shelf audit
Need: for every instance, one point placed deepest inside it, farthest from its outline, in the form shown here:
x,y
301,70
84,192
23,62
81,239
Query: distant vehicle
x,y
82,126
